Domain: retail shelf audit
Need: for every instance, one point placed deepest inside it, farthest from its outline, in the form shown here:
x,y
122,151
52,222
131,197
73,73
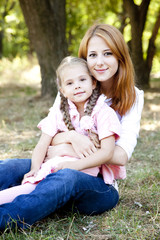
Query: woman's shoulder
x,y
139,92
139,97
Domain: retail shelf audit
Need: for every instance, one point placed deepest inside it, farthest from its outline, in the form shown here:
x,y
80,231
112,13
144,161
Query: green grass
x,y
137,215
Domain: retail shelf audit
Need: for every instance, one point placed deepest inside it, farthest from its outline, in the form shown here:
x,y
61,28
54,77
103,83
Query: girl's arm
x,y
101,156
119,157
39,154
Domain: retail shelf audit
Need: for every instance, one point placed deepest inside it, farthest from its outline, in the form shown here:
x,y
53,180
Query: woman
x,y
108,59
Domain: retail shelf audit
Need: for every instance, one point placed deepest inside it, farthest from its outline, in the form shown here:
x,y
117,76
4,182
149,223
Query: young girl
x,y
82,109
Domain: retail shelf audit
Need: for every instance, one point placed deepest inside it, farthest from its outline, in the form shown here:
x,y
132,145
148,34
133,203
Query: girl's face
x,y
77,84
101,62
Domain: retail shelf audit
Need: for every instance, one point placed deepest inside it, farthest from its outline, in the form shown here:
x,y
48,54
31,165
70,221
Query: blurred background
x,y
48,30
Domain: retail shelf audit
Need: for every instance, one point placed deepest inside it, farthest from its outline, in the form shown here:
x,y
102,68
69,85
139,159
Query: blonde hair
x,y
64,106
123,90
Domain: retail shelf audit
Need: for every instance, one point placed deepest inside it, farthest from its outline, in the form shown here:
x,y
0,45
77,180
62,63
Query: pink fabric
x,y
103,121
49,167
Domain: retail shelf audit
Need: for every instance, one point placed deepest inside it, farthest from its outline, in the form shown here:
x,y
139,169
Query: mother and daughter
x,y
87,137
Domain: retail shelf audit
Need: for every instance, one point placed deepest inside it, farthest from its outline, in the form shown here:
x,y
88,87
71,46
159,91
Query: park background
x,y
34,36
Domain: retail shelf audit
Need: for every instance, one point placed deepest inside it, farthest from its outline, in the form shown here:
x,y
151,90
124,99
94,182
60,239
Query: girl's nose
x,y
76,86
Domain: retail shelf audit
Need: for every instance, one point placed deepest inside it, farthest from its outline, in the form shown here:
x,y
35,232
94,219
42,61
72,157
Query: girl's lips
x,y
78,93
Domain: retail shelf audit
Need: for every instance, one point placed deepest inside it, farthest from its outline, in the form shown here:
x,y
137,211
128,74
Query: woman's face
x,y
101,62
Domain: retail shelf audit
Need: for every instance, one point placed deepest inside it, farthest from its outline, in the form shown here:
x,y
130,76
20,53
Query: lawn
x,y
137,215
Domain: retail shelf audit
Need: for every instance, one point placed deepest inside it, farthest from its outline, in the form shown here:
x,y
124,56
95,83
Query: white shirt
x,y
131,125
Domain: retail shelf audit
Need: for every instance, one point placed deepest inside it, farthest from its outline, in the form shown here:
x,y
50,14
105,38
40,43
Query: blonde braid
x,y
92,100
64,107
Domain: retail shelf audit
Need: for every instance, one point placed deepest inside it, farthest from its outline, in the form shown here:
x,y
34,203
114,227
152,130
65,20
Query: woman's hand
x,y
82,145
62,149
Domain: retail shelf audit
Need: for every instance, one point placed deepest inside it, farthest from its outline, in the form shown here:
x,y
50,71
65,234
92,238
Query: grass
x,y
137,216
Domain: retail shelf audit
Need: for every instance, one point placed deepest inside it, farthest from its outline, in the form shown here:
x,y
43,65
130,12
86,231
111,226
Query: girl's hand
x,y
67,164
82,145
31,173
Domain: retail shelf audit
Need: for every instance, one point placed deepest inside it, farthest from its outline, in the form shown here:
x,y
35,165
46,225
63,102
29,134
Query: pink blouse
x,y
103,121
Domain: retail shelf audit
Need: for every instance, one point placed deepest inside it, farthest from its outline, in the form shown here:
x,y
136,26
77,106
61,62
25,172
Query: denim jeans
x,y
12,171
89,194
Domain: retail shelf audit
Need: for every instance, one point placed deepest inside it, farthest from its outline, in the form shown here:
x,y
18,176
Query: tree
x,y
46,22
138,15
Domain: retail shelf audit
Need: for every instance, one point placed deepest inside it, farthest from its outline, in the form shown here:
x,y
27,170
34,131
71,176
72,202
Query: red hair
x,y
123,89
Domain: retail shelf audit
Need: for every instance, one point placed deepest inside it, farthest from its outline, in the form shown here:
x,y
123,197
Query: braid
x,y
64,107
92,100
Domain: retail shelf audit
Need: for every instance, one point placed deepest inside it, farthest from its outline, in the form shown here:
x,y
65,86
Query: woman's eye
x,y
108,53
82,79
92,55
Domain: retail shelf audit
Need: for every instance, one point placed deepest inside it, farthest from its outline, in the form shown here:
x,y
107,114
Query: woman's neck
x,y
106,90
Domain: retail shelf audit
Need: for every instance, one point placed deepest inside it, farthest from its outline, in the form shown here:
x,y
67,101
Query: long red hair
x,y
123,89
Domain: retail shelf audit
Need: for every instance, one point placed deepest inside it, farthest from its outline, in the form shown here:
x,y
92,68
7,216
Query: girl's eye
x,y
69,83
82,79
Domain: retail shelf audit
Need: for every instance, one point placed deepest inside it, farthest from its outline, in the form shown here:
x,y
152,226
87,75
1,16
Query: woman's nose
x,y
100,61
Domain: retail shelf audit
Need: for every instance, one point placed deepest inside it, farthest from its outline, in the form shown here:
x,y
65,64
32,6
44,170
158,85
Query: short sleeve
x,y
108,123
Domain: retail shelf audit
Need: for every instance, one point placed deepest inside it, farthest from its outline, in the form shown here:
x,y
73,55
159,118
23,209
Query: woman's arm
x,y
39,154
130,124
101,156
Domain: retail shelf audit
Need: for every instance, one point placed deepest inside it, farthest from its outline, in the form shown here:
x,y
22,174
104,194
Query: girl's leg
x,y
90,194
9,194
12,171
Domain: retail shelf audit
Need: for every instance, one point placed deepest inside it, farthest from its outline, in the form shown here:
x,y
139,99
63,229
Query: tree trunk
x,y
137,16
46,22
1,44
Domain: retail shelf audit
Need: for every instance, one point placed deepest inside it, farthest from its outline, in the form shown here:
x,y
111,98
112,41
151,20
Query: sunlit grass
x,y
137,215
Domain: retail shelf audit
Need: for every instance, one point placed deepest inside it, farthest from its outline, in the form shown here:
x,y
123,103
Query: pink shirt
x,y
103,121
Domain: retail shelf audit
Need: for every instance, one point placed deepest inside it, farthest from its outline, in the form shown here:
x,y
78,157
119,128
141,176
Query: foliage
x,y
80,15
15,33
83,13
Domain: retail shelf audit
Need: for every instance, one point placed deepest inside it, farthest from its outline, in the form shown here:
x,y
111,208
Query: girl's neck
x,y
80,109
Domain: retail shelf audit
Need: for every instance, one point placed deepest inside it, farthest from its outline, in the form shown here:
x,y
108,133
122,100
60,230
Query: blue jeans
x,y
89,194
12,171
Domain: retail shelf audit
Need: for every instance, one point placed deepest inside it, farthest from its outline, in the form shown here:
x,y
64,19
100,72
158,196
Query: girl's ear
x,y
61,90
